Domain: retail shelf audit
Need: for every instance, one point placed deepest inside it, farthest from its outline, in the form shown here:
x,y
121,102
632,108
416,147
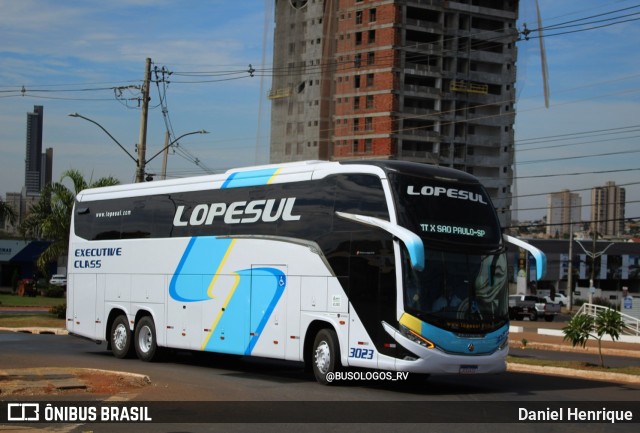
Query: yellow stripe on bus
x,y
273,176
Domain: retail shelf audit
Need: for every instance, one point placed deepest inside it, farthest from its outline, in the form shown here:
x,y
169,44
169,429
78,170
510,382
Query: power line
x,y
582,222
571,23
334,64
162,95
564,158
571,135
574,190
570,206
577,173
556,146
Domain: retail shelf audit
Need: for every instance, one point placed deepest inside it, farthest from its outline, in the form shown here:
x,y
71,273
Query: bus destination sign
x,y
450,229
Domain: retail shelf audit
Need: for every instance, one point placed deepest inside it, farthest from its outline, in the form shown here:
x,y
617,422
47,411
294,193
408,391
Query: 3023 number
x,y
356,352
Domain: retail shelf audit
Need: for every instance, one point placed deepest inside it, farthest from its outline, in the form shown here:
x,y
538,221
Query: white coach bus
x,y
380,264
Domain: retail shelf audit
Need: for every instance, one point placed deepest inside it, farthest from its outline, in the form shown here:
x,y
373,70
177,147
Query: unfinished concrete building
x,y
422,80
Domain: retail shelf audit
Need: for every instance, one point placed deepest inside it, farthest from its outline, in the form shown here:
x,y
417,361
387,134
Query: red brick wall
x,y
384,79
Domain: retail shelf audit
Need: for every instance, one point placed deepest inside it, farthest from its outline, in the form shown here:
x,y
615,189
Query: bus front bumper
x,y
436,361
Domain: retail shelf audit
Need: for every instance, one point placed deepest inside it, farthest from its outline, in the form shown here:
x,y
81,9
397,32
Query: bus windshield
x,y
458,214
459,292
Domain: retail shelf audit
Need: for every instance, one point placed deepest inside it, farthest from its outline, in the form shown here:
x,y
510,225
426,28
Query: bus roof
x,y
419,169
273,173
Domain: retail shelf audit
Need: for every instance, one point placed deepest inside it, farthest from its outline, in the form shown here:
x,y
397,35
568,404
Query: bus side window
x,y
360,194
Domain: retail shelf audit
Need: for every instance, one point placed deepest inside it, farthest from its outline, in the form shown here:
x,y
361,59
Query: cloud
x,y
123,33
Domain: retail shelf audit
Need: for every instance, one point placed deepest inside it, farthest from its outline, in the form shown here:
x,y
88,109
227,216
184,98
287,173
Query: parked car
x,y
533,307
58,280
559,298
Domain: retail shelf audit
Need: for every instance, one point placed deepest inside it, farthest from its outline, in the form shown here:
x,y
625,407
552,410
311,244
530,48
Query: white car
x,y
58,280
560,298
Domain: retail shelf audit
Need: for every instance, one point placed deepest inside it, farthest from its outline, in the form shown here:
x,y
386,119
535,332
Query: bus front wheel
x,y
325,358
120,337
145,339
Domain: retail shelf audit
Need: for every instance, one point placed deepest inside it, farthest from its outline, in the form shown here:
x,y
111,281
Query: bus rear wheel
x,y
145,339
120,337
325,358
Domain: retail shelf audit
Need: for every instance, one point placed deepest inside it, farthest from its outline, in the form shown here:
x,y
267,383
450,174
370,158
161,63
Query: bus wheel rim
x,y
145,339
323,357
120,337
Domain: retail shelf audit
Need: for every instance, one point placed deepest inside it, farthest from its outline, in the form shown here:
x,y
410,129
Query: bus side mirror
x,y
412,242
541,258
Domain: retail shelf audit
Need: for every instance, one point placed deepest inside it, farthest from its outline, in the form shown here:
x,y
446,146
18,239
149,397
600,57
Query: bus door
x,y
372,292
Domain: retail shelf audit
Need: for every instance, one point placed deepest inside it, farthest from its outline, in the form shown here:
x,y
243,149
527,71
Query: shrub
x,y
59,310
54,292
578,302
603,302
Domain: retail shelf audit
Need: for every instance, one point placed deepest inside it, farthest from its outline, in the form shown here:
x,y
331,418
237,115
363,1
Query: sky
x,y
83,56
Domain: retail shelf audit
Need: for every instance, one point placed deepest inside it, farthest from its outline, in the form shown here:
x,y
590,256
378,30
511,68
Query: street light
x,y
202,131
107,132
165,151
593,255
144,163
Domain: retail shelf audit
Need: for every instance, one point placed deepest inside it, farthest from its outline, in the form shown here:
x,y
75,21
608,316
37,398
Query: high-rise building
x,y
563,210
33,159
607,209
46,167
427,81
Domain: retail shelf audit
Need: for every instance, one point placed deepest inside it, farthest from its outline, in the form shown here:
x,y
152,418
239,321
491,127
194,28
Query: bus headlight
x,y
505,341
416,338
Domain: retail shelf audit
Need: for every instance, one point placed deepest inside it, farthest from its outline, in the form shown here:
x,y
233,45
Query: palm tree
x,y
50,217
7,213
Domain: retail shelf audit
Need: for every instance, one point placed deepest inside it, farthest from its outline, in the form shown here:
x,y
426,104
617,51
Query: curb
x,y
568,372
566,348
37,330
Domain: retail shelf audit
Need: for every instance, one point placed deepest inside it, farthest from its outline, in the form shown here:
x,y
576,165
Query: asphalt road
x,y
219,380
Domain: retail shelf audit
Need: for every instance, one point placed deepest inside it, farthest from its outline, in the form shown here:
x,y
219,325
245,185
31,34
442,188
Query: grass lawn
x,y
37,319
10,300
43,320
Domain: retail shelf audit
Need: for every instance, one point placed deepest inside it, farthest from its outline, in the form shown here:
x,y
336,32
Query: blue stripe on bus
x,y
250,304
201,258
250,178
451,343
264,298
251,307
232,330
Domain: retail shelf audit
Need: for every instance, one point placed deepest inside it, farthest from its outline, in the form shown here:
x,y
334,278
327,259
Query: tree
x,y
50,217
583,326
7,213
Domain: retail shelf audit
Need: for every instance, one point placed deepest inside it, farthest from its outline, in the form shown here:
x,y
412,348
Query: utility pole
x,y
142,141
570,266
165,156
